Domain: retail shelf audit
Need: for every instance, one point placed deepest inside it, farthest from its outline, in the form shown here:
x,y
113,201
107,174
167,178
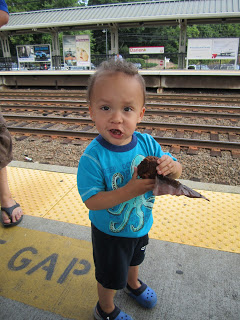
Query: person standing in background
x,y
11,212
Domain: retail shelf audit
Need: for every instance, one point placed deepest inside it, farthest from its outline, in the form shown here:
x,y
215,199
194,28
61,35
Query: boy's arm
x,y
168,167
108,199
178,171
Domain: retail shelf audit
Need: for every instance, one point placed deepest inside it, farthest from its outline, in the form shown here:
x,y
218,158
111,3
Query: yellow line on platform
x,y
48,271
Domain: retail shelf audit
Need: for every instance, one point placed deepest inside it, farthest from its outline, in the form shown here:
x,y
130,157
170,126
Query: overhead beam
x,y
127,24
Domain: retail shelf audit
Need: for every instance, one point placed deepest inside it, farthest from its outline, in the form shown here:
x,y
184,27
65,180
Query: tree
x,y
34,5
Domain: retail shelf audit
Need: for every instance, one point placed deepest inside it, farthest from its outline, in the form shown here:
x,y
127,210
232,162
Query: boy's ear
x,y
91,113
141,114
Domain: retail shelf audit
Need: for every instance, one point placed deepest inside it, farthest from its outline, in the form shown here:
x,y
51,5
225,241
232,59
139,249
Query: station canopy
x,y
122,15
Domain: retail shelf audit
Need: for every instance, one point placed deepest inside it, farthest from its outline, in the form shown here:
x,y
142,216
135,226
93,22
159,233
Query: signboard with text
x,y
215,48
146,50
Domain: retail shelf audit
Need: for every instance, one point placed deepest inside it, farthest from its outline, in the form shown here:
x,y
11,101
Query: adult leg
x,y
6,198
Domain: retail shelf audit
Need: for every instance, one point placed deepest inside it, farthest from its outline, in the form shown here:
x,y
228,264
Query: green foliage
x,y
148,65
228,30
136,60
34,5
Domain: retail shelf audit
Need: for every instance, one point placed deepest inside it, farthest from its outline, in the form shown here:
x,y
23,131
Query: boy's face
x,y
116,106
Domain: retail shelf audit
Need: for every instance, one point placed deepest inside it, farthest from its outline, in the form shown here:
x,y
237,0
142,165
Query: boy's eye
x,y
104,108
127,109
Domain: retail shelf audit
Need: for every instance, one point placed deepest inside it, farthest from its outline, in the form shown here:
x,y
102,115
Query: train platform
x,y
158,80
47,271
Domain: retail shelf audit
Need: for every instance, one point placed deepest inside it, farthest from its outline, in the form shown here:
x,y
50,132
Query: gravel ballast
x,y
200,167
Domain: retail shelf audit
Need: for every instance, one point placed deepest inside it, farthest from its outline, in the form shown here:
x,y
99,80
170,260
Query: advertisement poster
x,y
225,48
83,50
69,50
76,50
215,48
25,53
146,50
42,52
34,53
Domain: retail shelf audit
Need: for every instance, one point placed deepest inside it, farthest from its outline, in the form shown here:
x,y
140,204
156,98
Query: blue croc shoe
x,y
117,314
144,295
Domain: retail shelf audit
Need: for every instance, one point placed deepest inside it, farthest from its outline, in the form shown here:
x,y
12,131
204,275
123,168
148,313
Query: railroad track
x,y
143,124
17,125
208,98
21,103
67,104
152,109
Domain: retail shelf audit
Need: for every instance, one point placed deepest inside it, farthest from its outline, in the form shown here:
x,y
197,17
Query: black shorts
x,y
5,144
113,256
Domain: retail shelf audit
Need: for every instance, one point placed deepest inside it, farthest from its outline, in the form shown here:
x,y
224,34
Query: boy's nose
x,y
116,117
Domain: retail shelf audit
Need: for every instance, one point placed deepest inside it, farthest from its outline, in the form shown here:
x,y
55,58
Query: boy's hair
x,y
113,66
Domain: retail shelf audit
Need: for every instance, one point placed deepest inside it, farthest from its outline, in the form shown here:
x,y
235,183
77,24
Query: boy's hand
x,y
137,186
166,166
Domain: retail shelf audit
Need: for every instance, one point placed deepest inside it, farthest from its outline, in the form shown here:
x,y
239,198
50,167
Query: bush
x,y
147,65
136,60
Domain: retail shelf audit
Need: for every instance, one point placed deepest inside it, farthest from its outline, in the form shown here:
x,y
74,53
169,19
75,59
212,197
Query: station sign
x,y
146,50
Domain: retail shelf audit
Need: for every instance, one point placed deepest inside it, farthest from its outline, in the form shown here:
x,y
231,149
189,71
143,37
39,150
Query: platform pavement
x,y
42,282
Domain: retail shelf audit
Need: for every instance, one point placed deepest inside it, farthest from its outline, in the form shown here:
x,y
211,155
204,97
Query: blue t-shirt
x,y
105,167
3,6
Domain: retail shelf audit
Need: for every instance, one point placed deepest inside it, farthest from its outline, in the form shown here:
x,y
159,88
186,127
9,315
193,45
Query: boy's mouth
x,y
116,132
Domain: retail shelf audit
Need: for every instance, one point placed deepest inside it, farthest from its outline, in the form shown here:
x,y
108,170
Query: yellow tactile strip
x,y
51,195
197,222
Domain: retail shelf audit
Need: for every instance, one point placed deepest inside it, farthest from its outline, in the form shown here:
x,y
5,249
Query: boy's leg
x,y
136,289
106,297
133,277
105,308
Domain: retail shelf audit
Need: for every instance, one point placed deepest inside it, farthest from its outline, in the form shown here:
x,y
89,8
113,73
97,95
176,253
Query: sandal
x,y
9,212
116,314
144,295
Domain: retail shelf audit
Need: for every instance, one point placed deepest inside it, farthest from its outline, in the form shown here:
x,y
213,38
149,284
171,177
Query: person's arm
x,y
4,16
108,199
168,167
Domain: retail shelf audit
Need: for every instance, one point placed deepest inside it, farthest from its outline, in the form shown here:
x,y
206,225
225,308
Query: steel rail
x,y
193,114
147,112
166,96
148,104
46,101
194,97
195,106
143,124
223,145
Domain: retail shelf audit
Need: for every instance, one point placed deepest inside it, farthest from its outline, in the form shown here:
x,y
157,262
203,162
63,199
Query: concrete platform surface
x,y
47,270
